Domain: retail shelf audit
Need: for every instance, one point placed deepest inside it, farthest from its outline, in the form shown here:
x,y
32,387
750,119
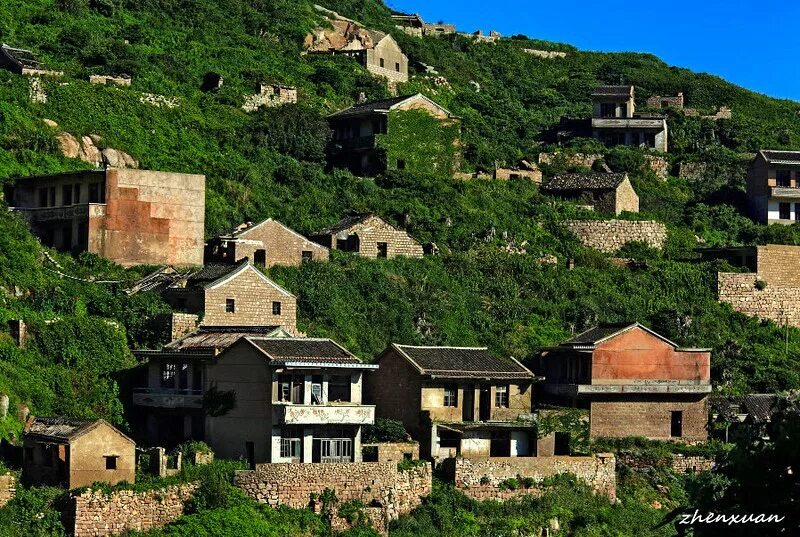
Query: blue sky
x,y
755,44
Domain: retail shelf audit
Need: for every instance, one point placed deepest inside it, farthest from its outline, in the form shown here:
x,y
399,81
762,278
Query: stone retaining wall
x,y
775,302
481,478
610,235
393,451
680,463
8,488
98,514
376,484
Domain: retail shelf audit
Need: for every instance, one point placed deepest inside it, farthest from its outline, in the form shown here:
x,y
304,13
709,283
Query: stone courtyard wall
x,y
610,235
682,464
8,488
482,478
775,302
98,513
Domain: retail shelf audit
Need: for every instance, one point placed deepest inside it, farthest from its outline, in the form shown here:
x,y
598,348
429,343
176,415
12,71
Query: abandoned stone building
x,y
602,192
522,170
270,96
234,295
370,236
615,122
59,451
414,25
633,381
131,217
359,130
750,414
773,187
658,101
456,400
23,62
266,243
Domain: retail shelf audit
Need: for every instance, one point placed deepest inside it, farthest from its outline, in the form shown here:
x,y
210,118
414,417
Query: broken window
x,y
48,455
316,390
230,305
650,139
783,178
291,448
276,308
397,67
450,396
608,110
307,256
51,201
339,389
111,462
66,195
501,397
784,211
168,371
260,257
94,193
290,389
42,197
76,194
383,250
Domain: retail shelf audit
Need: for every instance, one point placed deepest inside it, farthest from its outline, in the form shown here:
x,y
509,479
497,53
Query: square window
x,y
307,256
783,178
450,396
501,397
276,308
230,305
111,462
383,250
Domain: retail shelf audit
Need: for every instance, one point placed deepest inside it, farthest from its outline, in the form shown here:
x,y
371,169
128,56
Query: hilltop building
x,y
602,192
414,25
615,122
23,62
773,187
634,381
369,236
267,243
361,133
456,400
59,451
131,217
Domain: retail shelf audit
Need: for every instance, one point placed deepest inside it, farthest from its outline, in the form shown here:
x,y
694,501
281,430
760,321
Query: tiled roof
x,y
585,181
304,350
371,107
759,407
57,427
613,91
344,224
211,273
463,362
781,157
159,281
599,333
218,338
22,56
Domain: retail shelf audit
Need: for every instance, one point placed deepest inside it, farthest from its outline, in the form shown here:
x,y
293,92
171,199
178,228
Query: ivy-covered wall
x,y
421,143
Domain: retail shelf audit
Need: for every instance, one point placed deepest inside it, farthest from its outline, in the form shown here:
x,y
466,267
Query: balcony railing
x,y
628,123
64,213
785,192
345,414
165,398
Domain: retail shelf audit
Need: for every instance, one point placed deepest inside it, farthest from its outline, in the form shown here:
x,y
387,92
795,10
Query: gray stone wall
x,y
610,235
8,488
775,302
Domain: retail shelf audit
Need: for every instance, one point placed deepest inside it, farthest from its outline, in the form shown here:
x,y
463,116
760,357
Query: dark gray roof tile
x,y
584,181
463,362
304,350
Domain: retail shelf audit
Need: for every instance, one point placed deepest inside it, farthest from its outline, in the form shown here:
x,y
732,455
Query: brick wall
x,y
374,230
777,264
376,483
776,302
8,488
611,235
480,478
181,324
98,514
648,416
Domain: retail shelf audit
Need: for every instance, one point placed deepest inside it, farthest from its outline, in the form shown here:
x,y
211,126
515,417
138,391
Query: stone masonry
x,y
181,324
270,95
393,451
98,514
481,478
775,302
610,235
8,488
679,463
377,484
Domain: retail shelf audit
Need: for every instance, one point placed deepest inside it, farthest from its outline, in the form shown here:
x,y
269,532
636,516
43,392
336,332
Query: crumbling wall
x,y
488,477
393,451
8,488
270,95
98,513
682,464
771,301
610,235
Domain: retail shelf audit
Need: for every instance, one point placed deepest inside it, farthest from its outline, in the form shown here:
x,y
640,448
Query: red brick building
x,y
634,381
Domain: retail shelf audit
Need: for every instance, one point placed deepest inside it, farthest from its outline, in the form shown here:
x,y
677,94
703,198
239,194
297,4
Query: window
x,y
316,390
168,371
797,212
650,139
450,396
66,195
383,250
784,211
307,256
339,389
676,424
290,389
501,397
230,305
97,193
48,455
76,194
51,201
260,257
276,308
42,197
397,67
783,178
111,462
291,448
608,109
383,63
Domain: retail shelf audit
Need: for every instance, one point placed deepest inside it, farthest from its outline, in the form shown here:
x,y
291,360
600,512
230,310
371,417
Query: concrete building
x,y
131,217
267,398
615,122
23,62
456,400
602,192
414,25
634,381
358,129
369,236
68,452
773,187
235,295
267,243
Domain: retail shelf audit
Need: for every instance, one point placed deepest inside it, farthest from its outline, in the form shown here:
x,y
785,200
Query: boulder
x,y
50,123
69,145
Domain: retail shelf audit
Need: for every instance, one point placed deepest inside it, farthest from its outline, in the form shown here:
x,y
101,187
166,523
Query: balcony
x,y
353,144
656,124
344,414
785,192
159,398
62,214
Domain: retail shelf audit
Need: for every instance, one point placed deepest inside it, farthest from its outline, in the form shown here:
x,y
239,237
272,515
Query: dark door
x,y
485,404
260,257
250,449
676,425
500,444
561,444
468,409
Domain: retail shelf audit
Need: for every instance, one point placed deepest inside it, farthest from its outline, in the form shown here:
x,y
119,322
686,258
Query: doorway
x,y
485,403
676,424
468,409
250,449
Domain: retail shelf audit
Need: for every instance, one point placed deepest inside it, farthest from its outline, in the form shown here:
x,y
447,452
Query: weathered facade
x,y
658,101
358,130
8,489
416,26
270,96
634,381
76,453
23,62
267,243
131,217
615,122
369,236
610,235
456,400
602,192
773,187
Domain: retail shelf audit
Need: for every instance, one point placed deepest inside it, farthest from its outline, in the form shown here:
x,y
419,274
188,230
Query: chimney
x,y
18,331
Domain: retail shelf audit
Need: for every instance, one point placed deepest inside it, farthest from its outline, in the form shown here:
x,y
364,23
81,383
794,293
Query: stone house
x,y
602,192
68,452
131,217
745,414
456,400
23,62
416,26
358,130
235,295
658,101
615,122
267,243
270,96
773,187
370,236
523,170
634,382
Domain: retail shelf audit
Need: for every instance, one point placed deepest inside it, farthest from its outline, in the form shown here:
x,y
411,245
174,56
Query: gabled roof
x,y
759,407
219,338
159,281
213,275
790,158
585,181
305,352
248,227
346,223
462,362
383,106
61,429
589,339
613,91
